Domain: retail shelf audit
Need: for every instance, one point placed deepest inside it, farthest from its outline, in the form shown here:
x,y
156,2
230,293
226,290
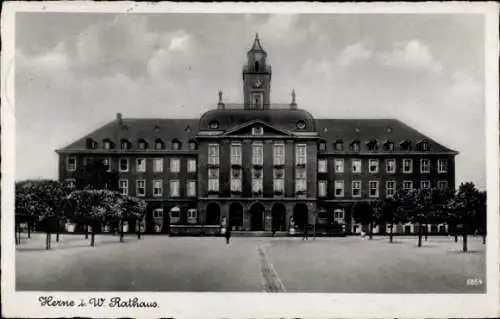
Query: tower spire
x,y
220,105
256,44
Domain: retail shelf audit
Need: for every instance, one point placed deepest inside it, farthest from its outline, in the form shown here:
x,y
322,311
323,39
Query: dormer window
x,y
355,146
91,143
405,146
214,125
107,144
124,144
423,146
388,146
258,130
339,145
176,145
372,145
159,145
301,125
192,145
322,146
143,145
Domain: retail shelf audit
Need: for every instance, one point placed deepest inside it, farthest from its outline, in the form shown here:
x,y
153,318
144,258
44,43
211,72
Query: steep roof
x,y
364,130
330,130
132,129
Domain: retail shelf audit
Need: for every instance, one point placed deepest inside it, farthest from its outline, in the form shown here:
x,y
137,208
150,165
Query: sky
x,y
75,71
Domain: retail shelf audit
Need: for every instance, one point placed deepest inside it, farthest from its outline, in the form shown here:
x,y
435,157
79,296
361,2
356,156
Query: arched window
x,y
142,145
176,145
405,145
322,146
423,146
355,146
124,144
257,66
107,144
339,145
159,145
192,145
91,143
372,145
388,146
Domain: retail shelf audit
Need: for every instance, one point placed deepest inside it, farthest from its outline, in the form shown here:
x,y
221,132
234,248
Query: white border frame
x,y
216,305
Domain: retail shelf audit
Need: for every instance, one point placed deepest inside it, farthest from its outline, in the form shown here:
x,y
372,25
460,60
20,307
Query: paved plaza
x,y
161,263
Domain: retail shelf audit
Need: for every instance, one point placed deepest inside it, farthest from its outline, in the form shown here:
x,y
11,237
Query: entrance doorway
x,y
213,214
256,217
300,215
236,216
279,217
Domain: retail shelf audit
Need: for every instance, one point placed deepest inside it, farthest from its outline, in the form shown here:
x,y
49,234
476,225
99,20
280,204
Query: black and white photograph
x,y
250,160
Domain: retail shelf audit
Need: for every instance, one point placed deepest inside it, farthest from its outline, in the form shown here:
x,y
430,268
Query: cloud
x,y
413,55
354,53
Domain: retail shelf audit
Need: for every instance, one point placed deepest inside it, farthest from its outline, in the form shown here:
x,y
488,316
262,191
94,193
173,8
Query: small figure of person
x,y
306,232
228,235
363,234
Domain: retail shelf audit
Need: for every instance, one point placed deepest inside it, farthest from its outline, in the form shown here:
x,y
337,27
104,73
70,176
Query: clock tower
x,y
256,78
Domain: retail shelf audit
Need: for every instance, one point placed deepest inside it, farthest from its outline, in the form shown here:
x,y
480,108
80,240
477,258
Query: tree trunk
x,y
419,235
86,231
16,230
465,242
47,240
121,232
29,230
92,238
371,231
57,231
426,231
391,233
484,238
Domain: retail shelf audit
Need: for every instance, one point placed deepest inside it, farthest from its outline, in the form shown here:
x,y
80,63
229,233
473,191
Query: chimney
x,y
293,105
119,118
220,105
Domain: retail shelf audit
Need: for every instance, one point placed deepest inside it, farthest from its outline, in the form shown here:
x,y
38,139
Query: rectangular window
x,y
356,188
390,188
442,184
373,166
191,165
257,153
322,166
141,187
174,188
191,189
213,180
339,188
107,164
140,165
236,154
175,165
279,180
407,166
425,166
356,166
157,187
339,165
157,165
257,180
236,179
407,185
213,154
123,186
442,166
373,188
71,164
425,184
300,185
158,213
123,165
390,166
279,154
322,188
279,186
300,154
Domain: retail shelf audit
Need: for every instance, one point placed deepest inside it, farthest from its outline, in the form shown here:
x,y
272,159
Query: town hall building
x,y
259,166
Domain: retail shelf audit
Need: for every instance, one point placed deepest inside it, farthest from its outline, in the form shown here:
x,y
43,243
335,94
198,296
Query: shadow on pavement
x,y
55,246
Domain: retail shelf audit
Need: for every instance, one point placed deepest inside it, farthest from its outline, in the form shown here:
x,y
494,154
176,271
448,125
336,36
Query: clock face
x,y
257,83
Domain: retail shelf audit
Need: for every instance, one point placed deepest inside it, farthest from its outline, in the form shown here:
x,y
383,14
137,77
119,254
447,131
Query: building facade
x,y
259,166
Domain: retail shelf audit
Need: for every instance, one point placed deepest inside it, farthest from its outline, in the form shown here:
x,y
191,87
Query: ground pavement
x,y
161,263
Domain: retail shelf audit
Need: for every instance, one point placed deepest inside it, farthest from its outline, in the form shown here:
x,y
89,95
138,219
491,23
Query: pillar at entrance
x,y
268,220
